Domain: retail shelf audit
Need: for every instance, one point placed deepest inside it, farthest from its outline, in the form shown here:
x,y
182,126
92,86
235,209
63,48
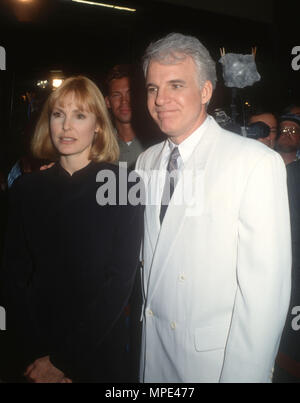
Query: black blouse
x,y
69,267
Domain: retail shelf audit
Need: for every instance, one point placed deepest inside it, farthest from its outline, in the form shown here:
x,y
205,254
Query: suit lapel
x,y
152,224
193,176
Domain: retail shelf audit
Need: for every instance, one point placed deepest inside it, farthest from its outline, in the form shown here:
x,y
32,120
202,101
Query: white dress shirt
x,y
185,148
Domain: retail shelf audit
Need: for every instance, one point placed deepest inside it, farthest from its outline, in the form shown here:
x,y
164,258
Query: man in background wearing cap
x,y
295,110
288,142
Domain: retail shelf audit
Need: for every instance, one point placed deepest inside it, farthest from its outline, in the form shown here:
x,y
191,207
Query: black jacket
x,y
288,361
69,267
293,177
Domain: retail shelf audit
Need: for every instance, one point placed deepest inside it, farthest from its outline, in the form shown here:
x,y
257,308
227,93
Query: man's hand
x,y
43,371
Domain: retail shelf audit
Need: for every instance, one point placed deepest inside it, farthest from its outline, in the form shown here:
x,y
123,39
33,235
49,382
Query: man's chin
x,y
124,119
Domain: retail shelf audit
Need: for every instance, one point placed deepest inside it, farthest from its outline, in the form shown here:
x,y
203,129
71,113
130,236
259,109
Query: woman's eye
x,y
56,114
80,116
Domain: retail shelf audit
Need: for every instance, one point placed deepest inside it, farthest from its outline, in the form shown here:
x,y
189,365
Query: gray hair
x,y
174,48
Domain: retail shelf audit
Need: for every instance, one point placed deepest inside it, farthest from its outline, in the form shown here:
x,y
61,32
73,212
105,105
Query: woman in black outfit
x,y
70,262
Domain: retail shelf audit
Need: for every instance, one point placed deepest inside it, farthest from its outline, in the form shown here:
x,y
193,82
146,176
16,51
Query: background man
x,y
269,119
217,264
118,100
295,110
288,141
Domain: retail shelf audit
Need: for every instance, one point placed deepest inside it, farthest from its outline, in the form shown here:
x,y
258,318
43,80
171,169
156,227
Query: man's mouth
x,y
163,114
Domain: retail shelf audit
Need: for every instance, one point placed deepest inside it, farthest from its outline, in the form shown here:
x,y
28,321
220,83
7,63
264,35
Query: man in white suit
x,y
216,266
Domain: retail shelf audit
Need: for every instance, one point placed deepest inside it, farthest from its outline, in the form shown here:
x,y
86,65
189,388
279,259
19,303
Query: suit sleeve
x,y
263,275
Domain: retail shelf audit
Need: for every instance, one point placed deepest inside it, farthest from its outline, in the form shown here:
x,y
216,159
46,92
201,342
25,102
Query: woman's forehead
x,y
72,99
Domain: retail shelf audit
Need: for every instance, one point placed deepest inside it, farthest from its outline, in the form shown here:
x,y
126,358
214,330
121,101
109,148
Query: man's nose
x,y
161,97
125,99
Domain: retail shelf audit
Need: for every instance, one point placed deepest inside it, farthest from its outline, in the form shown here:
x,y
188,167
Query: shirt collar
x,y
189,144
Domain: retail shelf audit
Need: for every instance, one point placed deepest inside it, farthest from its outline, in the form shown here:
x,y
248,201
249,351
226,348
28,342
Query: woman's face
x,y
72,130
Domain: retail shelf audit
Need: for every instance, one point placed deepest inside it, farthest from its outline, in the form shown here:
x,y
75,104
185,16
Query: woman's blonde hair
x,y
88,97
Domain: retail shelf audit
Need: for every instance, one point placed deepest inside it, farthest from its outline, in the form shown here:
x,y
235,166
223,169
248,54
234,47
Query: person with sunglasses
x,y
288,141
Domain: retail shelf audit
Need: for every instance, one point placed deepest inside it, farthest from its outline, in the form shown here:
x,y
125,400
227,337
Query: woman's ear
x,y
96,131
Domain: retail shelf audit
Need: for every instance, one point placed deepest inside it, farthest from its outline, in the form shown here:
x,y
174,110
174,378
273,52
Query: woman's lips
x,y
67,140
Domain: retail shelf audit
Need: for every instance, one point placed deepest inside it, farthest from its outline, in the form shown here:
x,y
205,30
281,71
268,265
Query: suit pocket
x,y
210,338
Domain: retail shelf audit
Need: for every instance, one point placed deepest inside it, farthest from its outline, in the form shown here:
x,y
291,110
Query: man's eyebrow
x,y
177,81
150,85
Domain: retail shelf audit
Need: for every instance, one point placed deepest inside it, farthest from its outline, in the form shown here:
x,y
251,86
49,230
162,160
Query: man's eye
x,y
151,90
177,86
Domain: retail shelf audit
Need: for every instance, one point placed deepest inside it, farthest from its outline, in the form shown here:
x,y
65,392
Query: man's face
x,y
118,99
175,101
289,139
271,121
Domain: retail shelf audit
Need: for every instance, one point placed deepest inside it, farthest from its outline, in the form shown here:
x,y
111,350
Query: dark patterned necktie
x,y
170,183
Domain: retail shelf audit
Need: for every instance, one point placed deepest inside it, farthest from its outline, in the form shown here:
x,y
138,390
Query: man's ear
x,y
107,101
207,91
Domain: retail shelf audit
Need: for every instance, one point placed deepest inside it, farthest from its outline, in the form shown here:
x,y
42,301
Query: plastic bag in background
x,y
239,71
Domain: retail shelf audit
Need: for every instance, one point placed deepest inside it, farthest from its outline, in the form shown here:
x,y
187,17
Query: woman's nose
x,y
67,123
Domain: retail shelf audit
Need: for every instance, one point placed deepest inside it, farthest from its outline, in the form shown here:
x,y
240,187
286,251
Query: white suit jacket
x,y
216,275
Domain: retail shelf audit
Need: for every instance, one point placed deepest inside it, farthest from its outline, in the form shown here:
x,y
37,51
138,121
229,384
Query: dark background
x,y
44,35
